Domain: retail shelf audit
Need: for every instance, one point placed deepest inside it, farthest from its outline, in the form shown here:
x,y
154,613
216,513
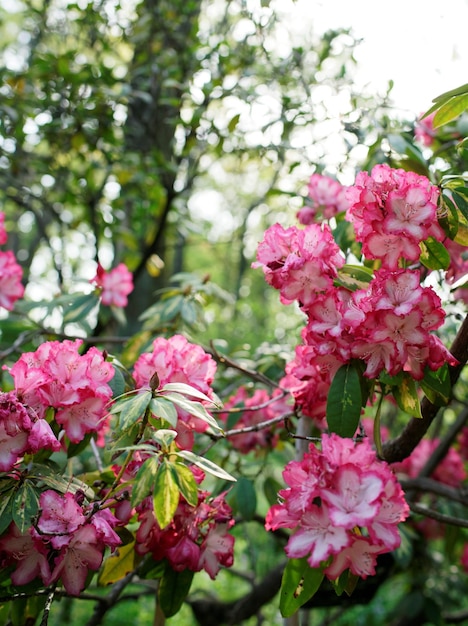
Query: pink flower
x,y
60,516
28,554
424,131
82,554
3,233
342,503
11,288
327,196
248,441
115,285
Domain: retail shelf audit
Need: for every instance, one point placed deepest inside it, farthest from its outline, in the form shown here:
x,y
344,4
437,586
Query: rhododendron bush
x,y
141,459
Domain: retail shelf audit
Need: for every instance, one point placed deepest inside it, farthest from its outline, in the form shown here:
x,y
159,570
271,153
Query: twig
x,y
428,485
439,517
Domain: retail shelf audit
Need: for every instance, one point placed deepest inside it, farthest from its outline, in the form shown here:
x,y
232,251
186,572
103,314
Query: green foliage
x,y
300,582
344,401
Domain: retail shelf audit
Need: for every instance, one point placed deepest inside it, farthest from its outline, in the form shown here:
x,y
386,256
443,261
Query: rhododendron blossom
x,y
22,431
343,504
176,360
255,440
392,211
327,198
197,537
115,285
3,232
11,288
67,542
56,375
299,262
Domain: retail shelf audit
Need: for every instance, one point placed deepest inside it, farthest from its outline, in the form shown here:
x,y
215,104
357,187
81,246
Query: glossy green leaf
x,y
79,307
344,401
166,495
173,589
434,255
299,583
437,386
354,277
6,513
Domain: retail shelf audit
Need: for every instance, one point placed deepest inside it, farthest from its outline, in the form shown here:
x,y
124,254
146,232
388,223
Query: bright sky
x,y
421,44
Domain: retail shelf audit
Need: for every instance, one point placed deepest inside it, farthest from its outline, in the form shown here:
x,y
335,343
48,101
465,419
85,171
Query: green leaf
x,y
145,480
353,277
299,583
194,408
118,565
6,512
243,498
205,465
344,401
132,408
164,409
25,505
186,482
450,110
117,382
173,589
270,488
166,495
434,255
406,395
79,307
437,386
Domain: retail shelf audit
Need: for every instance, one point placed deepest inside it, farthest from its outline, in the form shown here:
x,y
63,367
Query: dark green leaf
x,y
173,589
163,408
25,505
299,583
133,408
437,386
344,401
243,498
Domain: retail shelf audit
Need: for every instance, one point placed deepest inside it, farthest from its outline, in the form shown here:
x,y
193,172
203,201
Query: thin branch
x,y
439,517
428,485
258,376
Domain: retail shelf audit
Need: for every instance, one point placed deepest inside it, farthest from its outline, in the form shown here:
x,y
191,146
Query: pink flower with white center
x,y
360,557
216,550
81,554
176,360
11,288
115,284
354,498
401,331
29,556
317,537
86,416
392,211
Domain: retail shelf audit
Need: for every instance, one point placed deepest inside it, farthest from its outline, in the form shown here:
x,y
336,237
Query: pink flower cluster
x,y
56,375
176,360
327,198
343,504
196,539
115,285
299,262
392,212
22,431
11,288
67,542
424,131
257,408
